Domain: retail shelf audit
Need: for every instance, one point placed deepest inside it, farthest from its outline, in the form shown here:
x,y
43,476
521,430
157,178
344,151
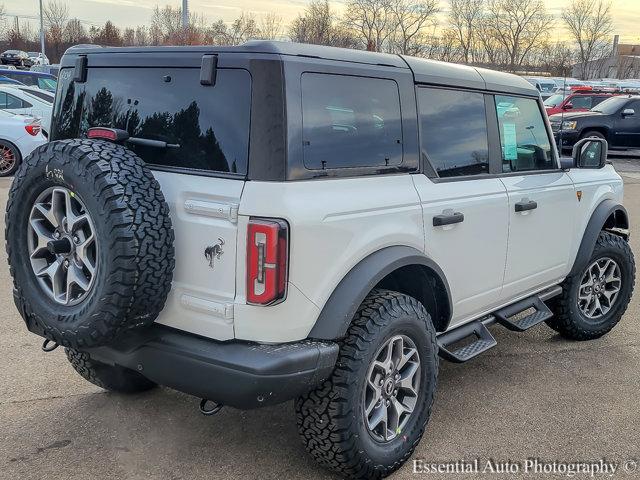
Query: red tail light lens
x,y
33,129
267,258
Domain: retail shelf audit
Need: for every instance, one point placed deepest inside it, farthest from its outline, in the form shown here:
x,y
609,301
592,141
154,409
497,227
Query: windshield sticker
x,y
510,141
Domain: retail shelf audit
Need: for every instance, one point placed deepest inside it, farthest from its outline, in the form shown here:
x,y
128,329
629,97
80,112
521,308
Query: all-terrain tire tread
x,y
325,419
140,229
563,320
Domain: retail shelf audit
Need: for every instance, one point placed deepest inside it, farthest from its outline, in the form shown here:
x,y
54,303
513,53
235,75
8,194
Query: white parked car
x,y
28,100
38,58
19,136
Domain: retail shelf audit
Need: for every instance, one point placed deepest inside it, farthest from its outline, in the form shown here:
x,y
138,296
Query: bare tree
x,y
412,21
74,33
108,35
516,26
589,23
242,29
464,19
320,25
271,27
56,15
371,20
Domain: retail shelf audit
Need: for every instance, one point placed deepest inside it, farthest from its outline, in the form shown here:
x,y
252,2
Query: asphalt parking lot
x,y
534,395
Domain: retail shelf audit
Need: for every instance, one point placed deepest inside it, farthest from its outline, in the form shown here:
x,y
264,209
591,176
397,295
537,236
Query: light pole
x,y
185,14
41,31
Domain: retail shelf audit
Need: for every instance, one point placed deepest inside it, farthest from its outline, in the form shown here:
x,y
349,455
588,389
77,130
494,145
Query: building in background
x,y
623,63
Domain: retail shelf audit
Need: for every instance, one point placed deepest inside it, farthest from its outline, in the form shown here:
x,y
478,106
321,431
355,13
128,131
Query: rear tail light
x,y
267,260
33,129
103,133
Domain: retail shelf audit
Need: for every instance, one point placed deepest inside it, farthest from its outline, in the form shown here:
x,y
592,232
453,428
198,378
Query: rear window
x,y
350,122
208,125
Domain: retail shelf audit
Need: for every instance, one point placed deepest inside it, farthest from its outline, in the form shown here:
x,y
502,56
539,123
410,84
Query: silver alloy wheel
x,y
599,288
62,245
391,391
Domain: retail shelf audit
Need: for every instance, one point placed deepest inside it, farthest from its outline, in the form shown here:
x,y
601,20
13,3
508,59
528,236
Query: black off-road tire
x,y
331,419
568,320
109,377
593,133
135,257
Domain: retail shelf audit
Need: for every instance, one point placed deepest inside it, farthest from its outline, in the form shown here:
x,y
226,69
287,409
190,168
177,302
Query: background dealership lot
x,y
533,395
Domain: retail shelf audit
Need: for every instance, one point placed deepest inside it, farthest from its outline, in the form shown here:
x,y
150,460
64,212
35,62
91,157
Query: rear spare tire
x,y
89,242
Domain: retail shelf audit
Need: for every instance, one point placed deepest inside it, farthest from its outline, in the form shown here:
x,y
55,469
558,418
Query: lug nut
x,y
395,392
66,263
56,234
381,382
76,239
387,403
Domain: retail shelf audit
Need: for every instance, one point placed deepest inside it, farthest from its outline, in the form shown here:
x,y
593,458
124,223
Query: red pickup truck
x,y
580,101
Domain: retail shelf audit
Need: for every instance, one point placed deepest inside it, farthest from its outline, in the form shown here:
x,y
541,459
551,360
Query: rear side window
x,y
207,127
350,122
523,135
453,128
11,102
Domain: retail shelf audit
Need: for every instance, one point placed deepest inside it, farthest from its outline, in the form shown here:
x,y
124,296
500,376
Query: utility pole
x,y
41,31
185,14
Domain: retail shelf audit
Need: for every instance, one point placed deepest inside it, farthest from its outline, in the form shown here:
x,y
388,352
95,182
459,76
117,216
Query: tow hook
x,y
49,348
215,408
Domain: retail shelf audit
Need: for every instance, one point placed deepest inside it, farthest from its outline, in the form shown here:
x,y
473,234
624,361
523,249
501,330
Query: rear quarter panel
x,y
334,224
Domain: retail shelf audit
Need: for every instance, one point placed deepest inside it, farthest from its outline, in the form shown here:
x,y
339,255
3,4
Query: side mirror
x,y
567,106
628,112
567,163
590,153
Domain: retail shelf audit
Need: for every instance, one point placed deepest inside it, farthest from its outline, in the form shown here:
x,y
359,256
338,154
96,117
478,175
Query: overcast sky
x,y
124,13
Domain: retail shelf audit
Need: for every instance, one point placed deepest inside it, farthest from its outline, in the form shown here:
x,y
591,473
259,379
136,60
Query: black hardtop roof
x,y
424,71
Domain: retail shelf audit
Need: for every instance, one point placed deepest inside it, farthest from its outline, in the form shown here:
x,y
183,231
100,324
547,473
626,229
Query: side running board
x,y
483,342
523,315
471,339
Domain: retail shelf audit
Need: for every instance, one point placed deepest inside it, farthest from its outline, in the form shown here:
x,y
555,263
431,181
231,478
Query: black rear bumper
x,y
238,374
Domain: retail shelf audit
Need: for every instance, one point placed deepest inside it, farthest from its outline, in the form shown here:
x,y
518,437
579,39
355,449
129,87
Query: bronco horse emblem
x,y
213,252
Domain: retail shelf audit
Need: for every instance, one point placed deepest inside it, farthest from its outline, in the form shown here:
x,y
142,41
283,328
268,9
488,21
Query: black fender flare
x,y
597,223
338,311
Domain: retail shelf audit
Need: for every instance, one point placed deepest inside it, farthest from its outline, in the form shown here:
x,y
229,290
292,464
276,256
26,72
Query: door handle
x,y
524,206
447,219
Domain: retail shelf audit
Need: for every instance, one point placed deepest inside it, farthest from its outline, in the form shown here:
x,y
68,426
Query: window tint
x,y
207,126
582,101
523,135
598,100
47,84
454,131
10,102
350,121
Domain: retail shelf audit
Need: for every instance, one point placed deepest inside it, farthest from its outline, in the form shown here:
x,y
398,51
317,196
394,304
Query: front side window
x,y
454,131
523,135
582,101
350,122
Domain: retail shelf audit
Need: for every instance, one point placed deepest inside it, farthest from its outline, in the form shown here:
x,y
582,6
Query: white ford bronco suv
x,y
273,221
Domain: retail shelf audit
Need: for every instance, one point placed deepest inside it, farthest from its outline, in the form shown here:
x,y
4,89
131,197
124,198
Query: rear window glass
x,y
207,126
350,121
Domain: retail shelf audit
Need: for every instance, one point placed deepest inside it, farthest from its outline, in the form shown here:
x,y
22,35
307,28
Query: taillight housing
x,y
33,129
267,260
